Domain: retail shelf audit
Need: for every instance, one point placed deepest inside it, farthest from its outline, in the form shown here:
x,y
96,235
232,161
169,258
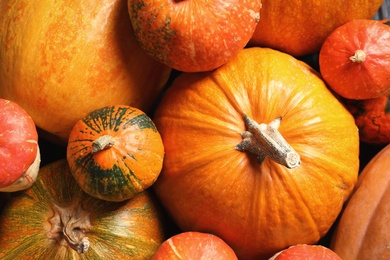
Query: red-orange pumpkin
x,y
355,59
225,174
55,219
115,152
194,245
300,27
19,150
194,35
62,59
363,229
307,252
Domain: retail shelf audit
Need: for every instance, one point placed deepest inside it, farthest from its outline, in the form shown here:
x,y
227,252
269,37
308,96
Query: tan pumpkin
x,y
258,152
62,59
363,229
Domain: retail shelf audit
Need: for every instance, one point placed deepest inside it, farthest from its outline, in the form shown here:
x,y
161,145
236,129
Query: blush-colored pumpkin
x,y
300,27
194,245
115,152
258,152
355,59
55,219
19,150
372,117
194,35
308,252
363,229
62,59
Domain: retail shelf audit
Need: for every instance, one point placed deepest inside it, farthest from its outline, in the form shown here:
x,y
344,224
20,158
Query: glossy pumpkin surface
x,y
300,27
63,59
55,218
363,229
194,35
194,245
309,252
19,149
115,152
355,59
208,184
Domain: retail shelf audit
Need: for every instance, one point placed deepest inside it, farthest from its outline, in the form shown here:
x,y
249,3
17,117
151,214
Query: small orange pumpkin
x,y
234,139
363,229
355,59
115,152
303,251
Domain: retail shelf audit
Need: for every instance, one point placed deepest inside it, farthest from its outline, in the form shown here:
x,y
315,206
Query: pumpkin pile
x,y
243,130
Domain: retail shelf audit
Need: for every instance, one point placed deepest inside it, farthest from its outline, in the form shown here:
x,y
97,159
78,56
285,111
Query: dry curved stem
x,y
71,225
102,143
359,56
264,140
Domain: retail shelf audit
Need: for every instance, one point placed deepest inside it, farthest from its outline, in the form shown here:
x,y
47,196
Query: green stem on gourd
x,y
264,140
359,56
70,225
102,143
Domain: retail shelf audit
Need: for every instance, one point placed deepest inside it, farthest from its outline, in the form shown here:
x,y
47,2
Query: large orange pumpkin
x,y
299,27
266,103
63,59
363,229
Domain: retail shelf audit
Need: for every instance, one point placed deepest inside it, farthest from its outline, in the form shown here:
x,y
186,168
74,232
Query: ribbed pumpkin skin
x,y
363,229
207,185
132,229
130,166
299,27
62,59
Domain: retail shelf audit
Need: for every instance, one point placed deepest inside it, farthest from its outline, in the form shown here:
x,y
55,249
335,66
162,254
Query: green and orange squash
x,y
55,219
115,152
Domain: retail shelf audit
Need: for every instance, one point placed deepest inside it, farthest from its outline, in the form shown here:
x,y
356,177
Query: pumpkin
x,y
372,117
193,35
355,59
55,219
115,152
258,152
303,251
363,229
194,245
300,27
63,59
19,150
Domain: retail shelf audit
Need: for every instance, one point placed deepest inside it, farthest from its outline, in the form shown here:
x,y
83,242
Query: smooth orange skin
x,y
194,245
363,228
369,79
18,142
194,35
63,59
300,27
307,252
207,185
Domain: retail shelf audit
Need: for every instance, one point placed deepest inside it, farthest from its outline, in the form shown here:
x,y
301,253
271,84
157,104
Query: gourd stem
x,y
102,143
71,225
264,140
359,56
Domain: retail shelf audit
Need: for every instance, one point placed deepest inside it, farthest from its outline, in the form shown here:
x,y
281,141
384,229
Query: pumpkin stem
x,y
102,143
265,140
70,225
359,56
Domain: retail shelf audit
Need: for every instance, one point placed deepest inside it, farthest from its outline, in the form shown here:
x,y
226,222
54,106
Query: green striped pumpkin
x,y
55,219
115,152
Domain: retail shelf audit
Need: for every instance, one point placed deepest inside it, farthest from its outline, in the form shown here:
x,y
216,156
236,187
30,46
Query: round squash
x,y
20,156
194,35
115,152
363,229
55,219
355,59
258,152
62,59
194,245
299,27
303,251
